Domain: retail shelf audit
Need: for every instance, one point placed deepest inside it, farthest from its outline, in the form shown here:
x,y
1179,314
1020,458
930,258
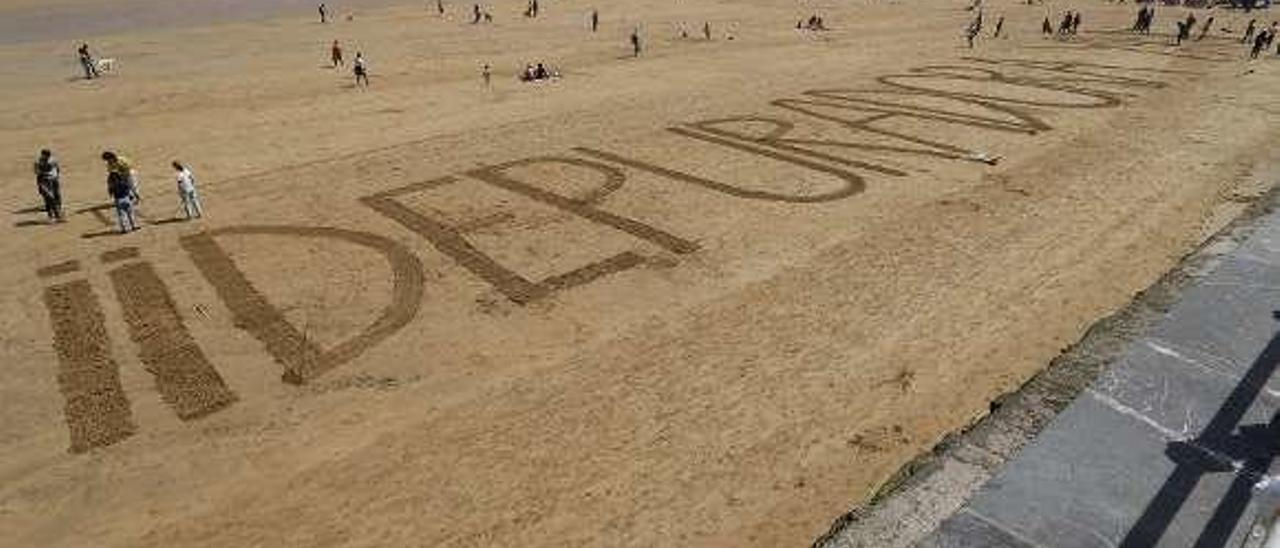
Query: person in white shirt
x,y
187,191
361,68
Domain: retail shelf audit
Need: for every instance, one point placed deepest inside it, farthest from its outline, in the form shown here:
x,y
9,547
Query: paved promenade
x,y
1163,447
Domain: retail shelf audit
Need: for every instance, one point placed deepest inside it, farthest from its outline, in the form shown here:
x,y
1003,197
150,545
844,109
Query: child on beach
x,y
187,191
361,70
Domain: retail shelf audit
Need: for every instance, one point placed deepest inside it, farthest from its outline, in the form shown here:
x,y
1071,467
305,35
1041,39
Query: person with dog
x,y
87,62
48,184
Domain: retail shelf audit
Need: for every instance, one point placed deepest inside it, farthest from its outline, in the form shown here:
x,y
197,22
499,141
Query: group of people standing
x,y
1146,15
122,188
1262,41
359,66
1068,26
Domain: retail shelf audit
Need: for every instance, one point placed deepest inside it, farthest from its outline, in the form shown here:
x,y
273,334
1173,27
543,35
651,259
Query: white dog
x,y
105,65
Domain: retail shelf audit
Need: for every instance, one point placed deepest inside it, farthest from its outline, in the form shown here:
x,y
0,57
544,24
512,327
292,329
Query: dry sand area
x,y
712,296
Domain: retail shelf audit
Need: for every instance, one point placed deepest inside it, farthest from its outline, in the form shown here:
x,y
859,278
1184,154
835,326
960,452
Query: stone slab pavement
x,y
1162,448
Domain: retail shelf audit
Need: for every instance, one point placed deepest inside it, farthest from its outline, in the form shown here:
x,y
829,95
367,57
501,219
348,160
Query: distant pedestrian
x,y
999,27
1075,24
706,30
187,191
1248,31
487,74
975,27
118,190
1182,33
475,12
595,20
49,185
635,42
1204,30
87,63
440,7
361,69
1259,43
324,13
1064,26
335,54
1046,27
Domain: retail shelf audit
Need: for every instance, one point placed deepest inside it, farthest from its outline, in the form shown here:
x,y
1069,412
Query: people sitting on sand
x,y
1064,26
536,72
815,23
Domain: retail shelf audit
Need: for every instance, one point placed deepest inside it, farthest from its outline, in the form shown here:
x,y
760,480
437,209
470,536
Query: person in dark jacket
x,y
121,193
49,185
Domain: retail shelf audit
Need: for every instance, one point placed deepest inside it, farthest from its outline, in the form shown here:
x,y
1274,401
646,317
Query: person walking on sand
x,y
121,194
1046,28
973,29
87,63
1249,30
324,13
487,74
187,191
361,69
595,20
440,7
635,42
1075,23
1204,30
1259,44
999,27
48,184
335,54
706,30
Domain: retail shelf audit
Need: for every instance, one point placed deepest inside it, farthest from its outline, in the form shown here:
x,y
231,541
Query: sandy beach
x,y
713,295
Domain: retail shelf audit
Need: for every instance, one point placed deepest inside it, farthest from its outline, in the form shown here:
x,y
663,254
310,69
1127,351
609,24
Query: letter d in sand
x,y
302,359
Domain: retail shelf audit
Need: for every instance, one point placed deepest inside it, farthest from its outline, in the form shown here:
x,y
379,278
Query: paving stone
x,y
965,530
1180,391
1223,325
1088,478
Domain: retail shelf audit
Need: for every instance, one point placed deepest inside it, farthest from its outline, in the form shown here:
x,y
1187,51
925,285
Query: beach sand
x,y
712,296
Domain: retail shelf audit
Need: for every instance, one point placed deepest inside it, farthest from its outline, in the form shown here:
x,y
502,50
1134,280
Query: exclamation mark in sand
x,y
183,376
96,408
